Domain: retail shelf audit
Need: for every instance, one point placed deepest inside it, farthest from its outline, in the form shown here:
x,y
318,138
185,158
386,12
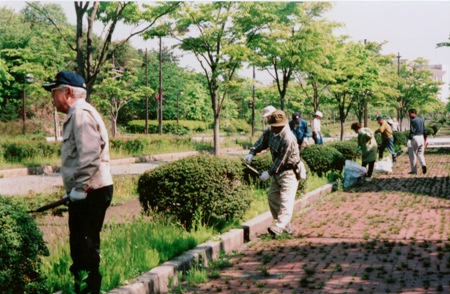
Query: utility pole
x,y
253,104
160,89
399,99
366,110
146,95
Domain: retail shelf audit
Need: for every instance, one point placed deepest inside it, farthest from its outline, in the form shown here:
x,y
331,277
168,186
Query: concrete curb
x,y
158,279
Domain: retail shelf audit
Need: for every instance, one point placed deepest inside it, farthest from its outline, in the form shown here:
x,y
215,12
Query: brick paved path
x,y
391,235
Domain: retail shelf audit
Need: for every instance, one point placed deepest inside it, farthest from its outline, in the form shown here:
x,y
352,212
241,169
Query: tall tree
x,y
91,54
289,40
218,41
416,86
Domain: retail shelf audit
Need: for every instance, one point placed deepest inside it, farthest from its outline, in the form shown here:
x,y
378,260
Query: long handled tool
x,y
61,201
251,168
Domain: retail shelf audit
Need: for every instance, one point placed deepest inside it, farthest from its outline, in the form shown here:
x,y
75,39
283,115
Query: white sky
x,y
411,28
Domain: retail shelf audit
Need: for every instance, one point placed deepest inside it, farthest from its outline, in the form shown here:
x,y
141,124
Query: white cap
x,y
268,111
318,113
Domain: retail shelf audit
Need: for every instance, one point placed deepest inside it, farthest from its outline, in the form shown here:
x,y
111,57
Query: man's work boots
x,y
424,169
394,159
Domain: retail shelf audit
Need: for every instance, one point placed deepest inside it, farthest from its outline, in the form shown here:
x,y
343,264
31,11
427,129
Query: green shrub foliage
x,y
199,189
131,146
400,138
323,158
347,148
21,244
19,151
183,127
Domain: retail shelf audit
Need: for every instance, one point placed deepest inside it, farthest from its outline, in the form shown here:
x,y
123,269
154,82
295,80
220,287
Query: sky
x,y
411,28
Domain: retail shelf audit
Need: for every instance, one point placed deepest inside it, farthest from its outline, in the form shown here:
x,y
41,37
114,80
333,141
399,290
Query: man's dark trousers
x,y
85,223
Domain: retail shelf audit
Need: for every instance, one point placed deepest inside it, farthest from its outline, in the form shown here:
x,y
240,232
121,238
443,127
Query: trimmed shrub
x,y
131,146
347,148
21,244
323,158
430,131
169,127
400,138
199,189
19,151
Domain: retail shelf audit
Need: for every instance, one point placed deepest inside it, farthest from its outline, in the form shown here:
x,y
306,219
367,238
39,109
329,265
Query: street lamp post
x,y
160,89
399,99
146,95
178,107
29,78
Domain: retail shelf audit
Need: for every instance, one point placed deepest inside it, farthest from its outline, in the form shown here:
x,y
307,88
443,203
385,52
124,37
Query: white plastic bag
x,y
353,173
302,168
383,166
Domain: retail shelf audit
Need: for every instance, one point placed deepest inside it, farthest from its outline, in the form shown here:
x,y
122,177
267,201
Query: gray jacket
x,y
85,149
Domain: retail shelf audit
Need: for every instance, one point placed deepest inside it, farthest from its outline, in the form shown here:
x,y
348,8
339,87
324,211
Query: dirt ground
x,y
391,235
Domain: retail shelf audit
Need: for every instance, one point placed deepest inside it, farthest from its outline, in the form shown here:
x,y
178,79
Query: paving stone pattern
x,y
391,235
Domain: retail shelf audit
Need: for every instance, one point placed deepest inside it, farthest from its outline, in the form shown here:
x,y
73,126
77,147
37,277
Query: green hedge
x,y
347,148
169,127
131,146
323,158
21,244
199,189
18,151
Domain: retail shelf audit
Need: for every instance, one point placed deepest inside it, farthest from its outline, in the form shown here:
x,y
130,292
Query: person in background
x,y
86,175
416,142
368,147
267,114
316,128
299,127
284,172
394,125
387,139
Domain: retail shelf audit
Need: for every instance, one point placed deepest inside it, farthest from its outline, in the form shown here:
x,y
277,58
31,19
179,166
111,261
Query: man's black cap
x,y
296,116
379,117
66,78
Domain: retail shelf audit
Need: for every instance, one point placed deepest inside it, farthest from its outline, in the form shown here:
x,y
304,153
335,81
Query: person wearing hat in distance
x,y
368,147
267,114
86,175
316,128
284,172
387,139
300,128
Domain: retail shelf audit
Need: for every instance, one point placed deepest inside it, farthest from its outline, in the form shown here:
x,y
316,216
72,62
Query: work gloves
x,y
264,176
75,195
248,158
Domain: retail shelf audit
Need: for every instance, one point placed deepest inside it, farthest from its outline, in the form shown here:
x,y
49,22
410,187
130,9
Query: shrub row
x,y
169,127
131,146
18,151
325,158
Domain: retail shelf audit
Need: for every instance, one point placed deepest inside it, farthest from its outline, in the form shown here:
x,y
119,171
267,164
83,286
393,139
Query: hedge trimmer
x,y
61,201
251,168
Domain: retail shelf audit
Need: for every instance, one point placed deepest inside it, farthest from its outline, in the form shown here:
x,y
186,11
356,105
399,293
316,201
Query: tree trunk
x,y
216,135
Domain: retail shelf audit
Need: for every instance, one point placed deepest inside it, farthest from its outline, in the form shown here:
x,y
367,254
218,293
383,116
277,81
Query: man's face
x,y
276,130
412,115
380,121
60,100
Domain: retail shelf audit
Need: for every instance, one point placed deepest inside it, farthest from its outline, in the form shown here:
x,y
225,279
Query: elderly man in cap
x,y
86,175
316,128
284,172
267,114
387,139
299,127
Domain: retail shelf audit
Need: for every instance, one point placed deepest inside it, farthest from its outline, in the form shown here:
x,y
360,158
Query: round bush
x,y
347,148
199,189
323,158
400,138
21,244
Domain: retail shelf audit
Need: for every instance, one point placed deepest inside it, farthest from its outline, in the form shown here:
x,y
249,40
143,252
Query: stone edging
x,y
157,280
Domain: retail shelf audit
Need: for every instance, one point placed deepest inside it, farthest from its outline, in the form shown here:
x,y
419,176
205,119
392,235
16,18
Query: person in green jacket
x,y
368,145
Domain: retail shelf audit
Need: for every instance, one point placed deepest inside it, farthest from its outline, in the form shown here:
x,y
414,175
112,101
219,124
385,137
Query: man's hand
x,y
249,158
75,195
358,149
264,176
